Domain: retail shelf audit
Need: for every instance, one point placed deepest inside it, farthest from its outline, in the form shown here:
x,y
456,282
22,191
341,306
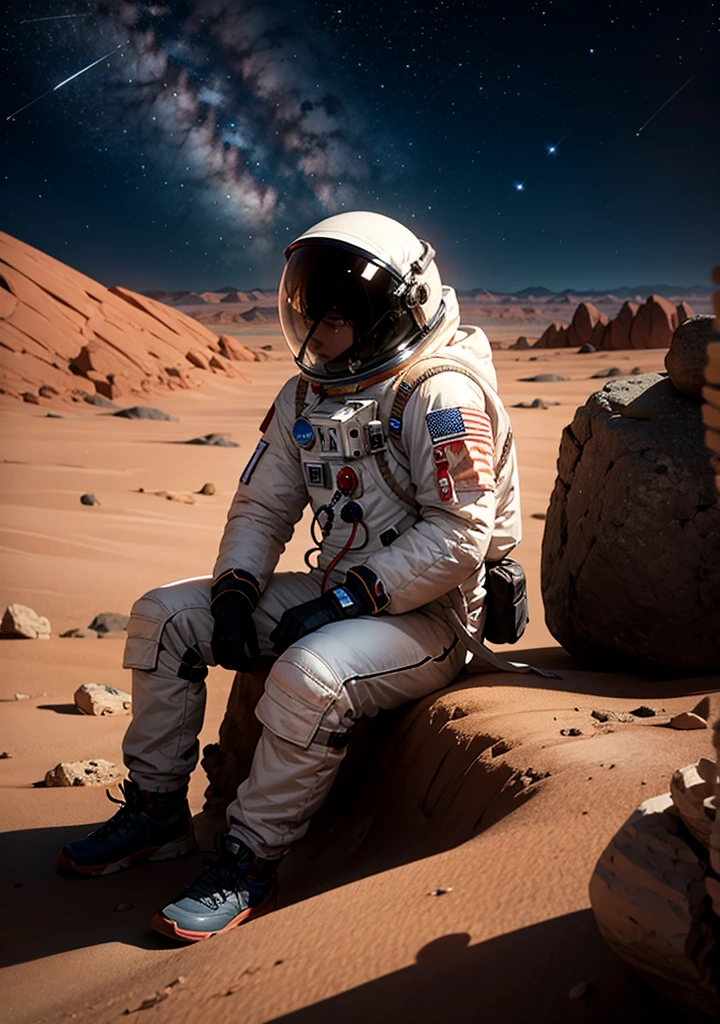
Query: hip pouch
x,y
506,601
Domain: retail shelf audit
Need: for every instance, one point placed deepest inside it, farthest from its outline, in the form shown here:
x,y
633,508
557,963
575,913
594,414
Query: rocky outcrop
x,y
655,891
631,548
687,356
648,325
60,329
100,700
93,772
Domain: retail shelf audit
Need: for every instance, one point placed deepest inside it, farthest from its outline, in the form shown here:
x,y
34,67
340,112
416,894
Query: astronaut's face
x,y
331,338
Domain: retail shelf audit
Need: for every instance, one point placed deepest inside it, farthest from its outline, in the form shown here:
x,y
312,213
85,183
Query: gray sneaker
x,y
237,886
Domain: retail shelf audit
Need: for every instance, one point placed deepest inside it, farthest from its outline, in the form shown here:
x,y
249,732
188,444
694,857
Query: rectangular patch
x,y
463,449
247,473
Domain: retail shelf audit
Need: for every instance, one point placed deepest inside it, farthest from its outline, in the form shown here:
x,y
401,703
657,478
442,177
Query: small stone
x,y
88,499
586,349
22,623
579,990
22,696
440,892
96,772
544,378
144,412
571,732
608,371
635,371
98,699
215,440
207,489
28,396
613,716
101,401
107,622
125,906
4,755
53,416
538,515
644,712
688,720
80,632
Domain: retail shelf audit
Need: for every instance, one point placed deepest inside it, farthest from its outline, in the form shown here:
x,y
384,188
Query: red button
x,y
347,480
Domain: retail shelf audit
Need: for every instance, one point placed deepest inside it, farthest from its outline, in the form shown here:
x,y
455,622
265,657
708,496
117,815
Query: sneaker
x,y
148,826
237,886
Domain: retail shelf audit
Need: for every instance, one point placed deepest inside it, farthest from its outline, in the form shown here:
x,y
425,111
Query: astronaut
x,y
394,433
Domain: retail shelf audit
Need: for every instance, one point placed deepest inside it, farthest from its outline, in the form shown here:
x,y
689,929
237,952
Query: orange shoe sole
x,y
171,930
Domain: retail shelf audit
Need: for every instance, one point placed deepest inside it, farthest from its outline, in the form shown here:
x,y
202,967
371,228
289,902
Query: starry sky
x,y
531,143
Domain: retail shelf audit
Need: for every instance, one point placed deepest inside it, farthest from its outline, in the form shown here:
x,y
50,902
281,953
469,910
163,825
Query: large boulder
x,y
687,356
631,549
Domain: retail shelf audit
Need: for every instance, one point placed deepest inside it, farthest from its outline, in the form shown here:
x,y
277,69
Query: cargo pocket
x,y
294,710
147,621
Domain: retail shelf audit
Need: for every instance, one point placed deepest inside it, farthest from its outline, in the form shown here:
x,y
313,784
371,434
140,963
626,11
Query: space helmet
x,y
359,298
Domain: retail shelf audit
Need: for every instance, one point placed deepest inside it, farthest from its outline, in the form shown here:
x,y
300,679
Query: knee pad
x,y
305,701
148,633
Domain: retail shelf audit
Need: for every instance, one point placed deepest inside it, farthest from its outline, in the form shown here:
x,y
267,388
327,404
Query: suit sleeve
x,y
269,500
455,486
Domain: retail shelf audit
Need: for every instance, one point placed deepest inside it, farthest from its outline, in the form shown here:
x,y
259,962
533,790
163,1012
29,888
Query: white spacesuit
x,y
395,435
405,453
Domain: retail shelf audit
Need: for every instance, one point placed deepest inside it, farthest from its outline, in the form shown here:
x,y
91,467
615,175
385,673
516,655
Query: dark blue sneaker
x,y
237,886
148,826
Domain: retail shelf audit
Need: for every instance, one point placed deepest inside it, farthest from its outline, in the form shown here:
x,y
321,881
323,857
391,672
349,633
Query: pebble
x,y
88,499
96,772
644,711
688,720
440,892
571,732
4,755
207,489
22,696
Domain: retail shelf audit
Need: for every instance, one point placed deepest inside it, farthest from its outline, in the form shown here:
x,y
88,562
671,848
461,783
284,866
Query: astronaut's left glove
x,y
362,593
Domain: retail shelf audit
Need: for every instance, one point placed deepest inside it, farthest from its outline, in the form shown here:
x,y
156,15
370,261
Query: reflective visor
x,y
341,314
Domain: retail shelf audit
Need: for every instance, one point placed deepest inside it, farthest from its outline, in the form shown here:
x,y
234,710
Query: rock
x,y
608,371
612,716
571,732
88,499
554,336
22,696
53,416
538,515
587,326
617,334
231,348
644,712
107,622
635,370
113,634
544,378
95,772
31,397
198,358
4,755
648,896
687,356
688,720
207,489
101,401
217,440
47,391
586,350
80,632
144,412
537,403
520,345
653,324
22,623
692,790
98,699
634,506
440,892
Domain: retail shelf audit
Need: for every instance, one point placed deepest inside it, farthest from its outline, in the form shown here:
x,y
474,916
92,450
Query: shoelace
x,y
129,806
220,880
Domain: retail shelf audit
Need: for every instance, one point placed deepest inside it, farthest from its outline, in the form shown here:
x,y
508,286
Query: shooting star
x,y
65,82
652,118
55,17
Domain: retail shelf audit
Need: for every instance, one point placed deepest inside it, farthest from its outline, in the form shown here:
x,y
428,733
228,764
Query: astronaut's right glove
x,y
234,640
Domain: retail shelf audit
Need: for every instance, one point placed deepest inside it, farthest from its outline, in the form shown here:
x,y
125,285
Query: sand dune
x,y
465,803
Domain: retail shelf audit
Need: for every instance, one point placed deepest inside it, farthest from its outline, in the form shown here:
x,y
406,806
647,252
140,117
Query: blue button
x,y
303,433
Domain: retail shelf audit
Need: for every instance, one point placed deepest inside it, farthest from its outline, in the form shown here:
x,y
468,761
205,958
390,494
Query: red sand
x,y
357,936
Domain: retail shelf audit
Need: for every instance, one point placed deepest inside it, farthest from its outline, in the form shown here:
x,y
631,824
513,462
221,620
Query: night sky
x,y
216,132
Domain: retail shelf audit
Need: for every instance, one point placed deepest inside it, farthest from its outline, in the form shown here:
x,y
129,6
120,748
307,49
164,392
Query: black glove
x,y
362,593
234,641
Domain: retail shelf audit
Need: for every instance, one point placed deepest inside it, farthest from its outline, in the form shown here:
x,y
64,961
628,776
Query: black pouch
x,y
506,601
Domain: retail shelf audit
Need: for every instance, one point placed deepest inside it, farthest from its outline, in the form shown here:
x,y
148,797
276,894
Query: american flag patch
x,y
463,449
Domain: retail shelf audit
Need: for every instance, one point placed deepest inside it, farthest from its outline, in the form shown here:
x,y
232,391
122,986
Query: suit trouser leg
x,y
168,649
313,695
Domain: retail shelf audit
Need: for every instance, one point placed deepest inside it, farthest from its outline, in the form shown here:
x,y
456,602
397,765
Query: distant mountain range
x,y
538,294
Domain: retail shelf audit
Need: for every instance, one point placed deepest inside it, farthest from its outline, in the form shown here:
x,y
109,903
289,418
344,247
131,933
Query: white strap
x,y
485,654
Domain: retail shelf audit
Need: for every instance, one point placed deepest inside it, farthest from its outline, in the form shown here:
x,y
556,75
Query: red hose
x,y
340,554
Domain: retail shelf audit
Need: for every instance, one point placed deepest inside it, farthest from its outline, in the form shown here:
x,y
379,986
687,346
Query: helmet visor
x,y
340,312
